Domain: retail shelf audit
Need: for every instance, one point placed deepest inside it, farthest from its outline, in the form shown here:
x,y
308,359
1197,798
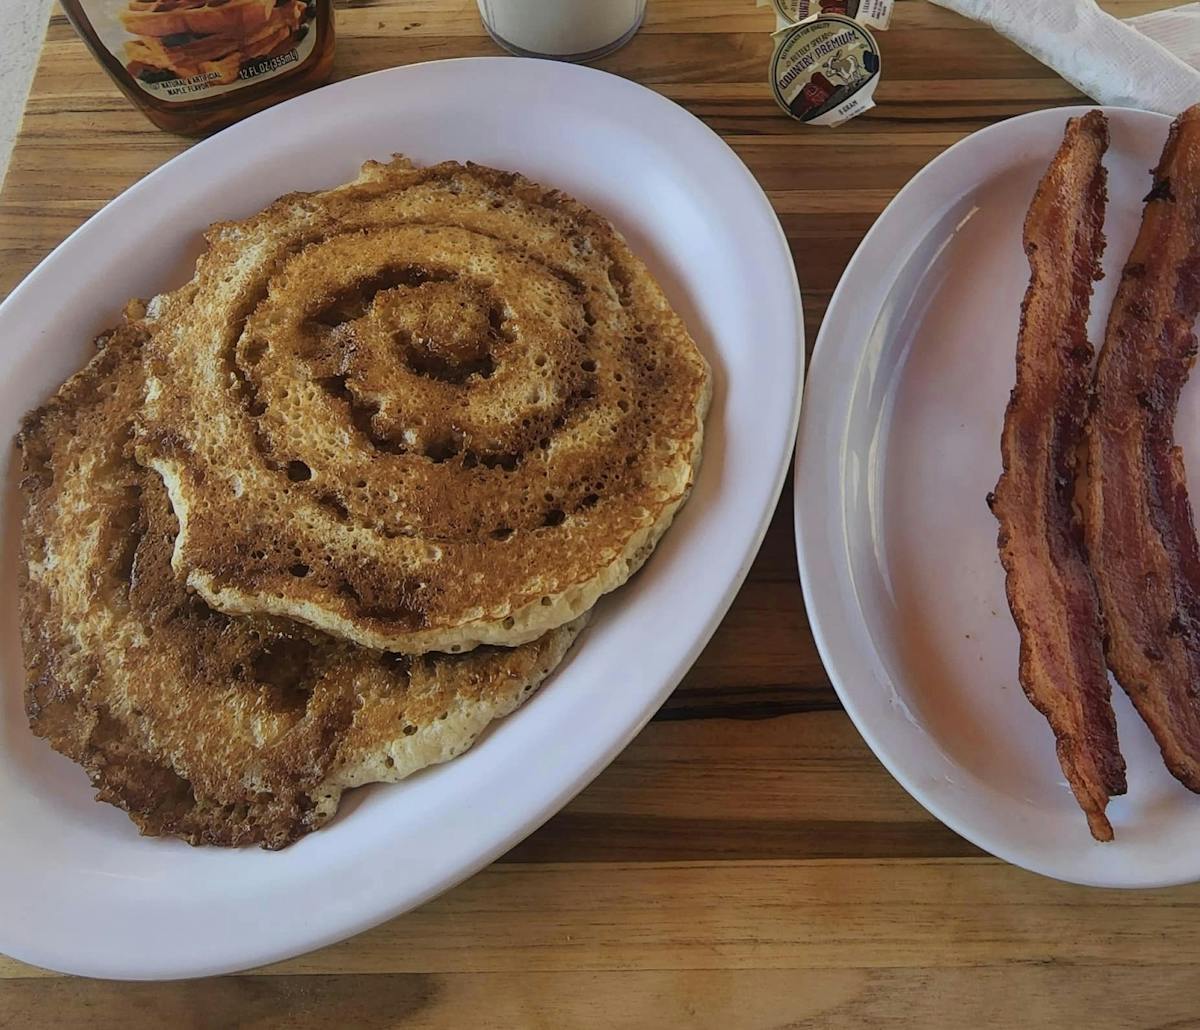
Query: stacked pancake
x,y
214,38
1116,581
319,516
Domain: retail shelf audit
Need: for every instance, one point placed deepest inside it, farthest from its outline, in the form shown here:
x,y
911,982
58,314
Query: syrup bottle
x,y
194,66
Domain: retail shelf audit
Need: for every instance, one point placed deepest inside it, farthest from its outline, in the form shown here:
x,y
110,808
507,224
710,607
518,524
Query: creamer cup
x,y
874,14
824,70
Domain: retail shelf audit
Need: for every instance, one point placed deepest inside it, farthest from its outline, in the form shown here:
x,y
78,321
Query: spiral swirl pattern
x,y
430,409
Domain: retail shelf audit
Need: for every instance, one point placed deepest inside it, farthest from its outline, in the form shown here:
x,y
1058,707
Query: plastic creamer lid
x,y
875,14
824,71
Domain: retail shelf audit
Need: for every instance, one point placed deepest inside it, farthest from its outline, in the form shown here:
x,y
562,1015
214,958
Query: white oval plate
x,y
79,889
898,447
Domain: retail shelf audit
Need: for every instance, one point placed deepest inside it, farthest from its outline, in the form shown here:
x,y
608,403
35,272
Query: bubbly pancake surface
x,y
219,730
431,409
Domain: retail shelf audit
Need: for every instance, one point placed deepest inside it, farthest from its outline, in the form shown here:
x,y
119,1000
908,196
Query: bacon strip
x,y
1050,588
1140,532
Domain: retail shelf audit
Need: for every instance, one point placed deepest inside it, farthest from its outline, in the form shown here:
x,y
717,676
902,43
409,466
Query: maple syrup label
x,y
824,71
180,50
875,14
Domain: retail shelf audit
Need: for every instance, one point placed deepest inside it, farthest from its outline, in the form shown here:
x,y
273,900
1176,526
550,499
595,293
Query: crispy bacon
x,y
1050,589
1140,532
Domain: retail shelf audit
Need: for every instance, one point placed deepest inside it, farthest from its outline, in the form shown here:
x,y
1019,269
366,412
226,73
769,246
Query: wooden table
x,y
746,861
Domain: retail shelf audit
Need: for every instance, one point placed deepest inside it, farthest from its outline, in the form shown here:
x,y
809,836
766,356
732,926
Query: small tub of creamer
x,y
566,30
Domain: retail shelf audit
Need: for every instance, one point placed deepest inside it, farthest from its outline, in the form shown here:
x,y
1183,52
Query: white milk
x,y
561,28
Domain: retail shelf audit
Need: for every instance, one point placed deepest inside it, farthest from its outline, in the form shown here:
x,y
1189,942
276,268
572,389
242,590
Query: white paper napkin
x,y
1150,62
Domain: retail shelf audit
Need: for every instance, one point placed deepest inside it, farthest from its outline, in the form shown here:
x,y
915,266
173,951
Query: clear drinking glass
x,y
566,30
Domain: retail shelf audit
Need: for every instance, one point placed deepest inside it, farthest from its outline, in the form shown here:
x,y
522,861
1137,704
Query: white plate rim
x,y
244,954
841,636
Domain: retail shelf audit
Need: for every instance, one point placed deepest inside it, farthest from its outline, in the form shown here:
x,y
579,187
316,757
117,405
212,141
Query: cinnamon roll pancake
x,y
218,730
432,409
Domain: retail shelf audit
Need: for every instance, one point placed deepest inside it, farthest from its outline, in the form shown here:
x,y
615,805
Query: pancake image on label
x,y
218,730
431,409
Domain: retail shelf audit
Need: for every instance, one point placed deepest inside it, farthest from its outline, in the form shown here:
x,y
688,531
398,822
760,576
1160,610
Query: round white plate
x,y
79,889
898,448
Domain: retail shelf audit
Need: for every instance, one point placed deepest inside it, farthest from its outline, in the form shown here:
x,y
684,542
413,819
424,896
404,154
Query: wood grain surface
x,y
746,862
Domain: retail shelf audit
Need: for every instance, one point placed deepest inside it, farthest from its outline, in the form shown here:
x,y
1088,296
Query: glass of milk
x,y
566,30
